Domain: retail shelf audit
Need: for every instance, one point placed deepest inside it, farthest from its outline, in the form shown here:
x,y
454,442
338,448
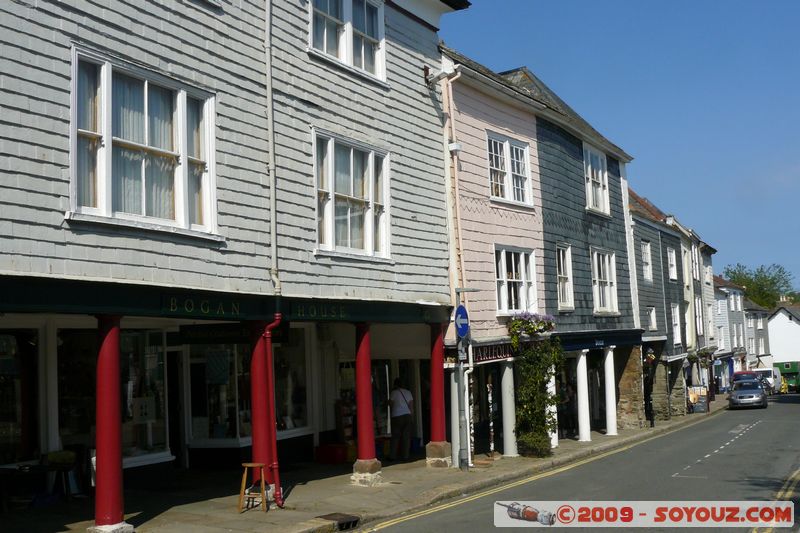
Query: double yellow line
x,y
455,503
786,493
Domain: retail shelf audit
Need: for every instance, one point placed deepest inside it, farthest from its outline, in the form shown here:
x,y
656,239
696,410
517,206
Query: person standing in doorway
x,y
402,407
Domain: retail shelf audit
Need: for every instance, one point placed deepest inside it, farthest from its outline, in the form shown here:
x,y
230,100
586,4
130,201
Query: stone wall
x,y
669,396
630,403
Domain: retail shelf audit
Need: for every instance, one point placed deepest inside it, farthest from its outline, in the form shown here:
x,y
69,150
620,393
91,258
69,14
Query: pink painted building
x,y
496,240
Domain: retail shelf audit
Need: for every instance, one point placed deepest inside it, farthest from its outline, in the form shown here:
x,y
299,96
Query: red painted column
x,y
273,470
108,508
258,401
364,415
438,433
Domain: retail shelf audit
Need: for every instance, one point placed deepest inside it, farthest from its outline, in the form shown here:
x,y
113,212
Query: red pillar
x,y
258,401
108,509
364,415
438,433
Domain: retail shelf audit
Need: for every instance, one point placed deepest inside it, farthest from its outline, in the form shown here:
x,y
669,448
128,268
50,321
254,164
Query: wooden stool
x,y
260,467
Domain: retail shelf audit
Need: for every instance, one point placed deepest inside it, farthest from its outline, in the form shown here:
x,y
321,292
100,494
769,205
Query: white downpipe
x,y
553,409
468,404
455,438
509,411
584,429
611,396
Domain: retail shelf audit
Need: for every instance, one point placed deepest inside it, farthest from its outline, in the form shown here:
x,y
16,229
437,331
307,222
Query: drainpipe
x,y
273,202
271,422
448,92
467,389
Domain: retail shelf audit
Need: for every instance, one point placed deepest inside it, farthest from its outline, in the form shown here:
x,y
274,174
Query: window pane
x,y
196,194
335,8
342,169
377,229
332,38
159,110
322,163
359,22
341,229
322,227
88,100
372,21
194,128
160,183
360,177
127,114
87,171
377,193
291,394
127,180
357,212
319,32
358,45
370,51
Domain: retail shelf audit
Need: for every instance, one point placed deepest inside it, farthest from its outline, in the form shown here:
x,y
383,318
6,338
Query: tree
x,y
764,285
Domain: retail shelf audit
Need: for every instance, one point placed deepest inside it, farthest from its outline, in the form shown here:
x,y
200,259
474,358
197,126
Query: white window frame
x,y
647,261
652,319
604,202
722,305
508,146
695,263
104,209
698,315
738,302
710,319
564,278
675,311
721,337
751,345
326,242
607,286
709,274
750,321
760,322
527,296
761,346
672,260
344,54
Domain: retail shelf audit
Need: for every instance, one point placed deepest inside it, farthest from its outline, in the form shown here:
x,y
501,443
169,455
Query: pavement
x,y
206,502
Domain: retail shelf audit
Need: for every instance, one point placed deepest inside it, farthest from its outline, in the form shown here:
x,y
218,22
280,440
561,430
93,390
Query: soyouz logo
x,y
714,514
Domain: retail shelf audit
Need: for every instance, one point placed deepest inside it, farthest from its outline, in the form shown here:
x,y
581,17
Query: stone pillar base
x,y
366,472
122,527
437,454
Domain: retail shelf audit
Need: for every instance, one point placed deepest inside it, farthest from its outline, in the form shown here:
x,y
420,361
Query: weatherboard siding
x,y
651,292
487,223
220,50
401,116
565,220
673,292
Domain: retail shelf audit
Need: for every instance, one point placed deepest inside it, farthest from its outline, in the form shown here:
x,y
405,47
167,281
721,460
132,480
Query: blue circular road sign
x,y
462,321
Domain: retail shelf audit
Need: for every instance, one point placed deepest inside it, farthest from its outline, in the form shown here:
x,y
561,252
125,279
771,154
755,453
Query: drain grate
x,y
343,521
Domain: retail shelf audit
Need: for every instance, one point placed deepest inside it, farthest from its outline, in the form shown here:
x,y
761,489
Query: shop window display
x,y
290,381
219,377
143,390
18,395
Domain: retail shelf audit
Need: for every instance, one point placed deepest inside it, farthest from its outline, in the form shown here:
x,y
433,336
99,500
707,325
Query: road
x,y
736,455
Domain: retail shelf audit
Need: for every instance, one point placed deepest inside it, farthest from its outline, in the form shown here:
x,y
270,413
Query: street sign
x,y
462,321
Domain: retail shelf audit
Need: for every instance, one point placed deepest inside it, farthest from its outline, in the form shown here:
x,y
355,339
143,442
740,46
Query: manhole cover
x,y
343,521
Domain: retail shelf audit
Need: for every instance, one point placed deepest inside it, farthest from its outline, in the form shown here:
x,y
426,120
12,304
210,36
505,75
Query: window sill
x,y
511,203
607,313
140,225
566,309
352,256
348,68
597,212
511,314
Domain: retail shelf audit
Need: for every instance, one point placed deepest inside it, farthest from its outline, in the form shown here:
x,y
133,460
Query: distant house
x,y
659,279
784,334
756,335
729,321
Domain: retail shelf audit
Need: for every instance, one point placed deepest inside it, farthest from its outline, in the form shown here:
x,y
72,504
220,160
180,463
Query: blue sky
x,y
704,95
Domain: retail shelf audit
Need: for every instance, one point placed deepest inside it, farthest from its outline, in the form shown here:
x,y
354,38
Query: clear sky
x,y
704,95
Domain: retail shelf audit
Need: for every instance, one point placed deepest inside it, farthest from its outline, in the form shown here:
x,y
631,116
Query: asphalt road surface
x,y
736,455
